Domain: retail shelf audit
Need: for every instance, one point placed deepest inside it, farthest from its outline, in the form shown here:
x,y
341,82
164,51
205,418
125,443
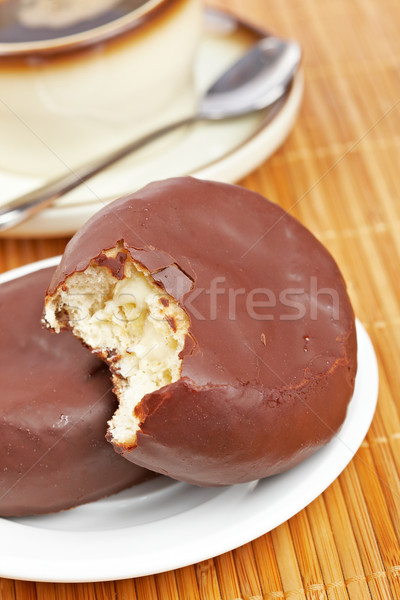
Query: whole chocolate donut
x,y
254,332
55,401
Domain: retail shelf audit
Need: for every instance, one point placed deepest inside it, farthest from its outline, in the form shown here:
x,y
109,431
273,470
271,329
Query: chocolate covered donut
x,y
55,402
226,325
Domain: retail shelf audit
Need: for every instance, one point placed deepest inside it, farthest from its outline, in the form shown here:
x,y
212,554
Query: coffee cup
x,y
80,79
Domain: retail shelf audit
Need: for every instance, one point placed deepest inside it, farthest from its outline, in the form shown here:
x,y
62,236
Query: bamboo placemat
x,y
339,174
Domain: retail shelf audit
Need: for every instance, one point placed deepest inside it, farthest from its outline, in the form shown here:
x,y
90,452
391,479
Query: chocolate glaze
x,y
116,265
55,402
260,389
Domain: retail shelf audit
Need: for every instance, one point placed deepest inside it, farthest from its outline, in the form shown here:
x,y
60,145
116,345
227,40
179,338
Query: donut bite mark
x,y
117,309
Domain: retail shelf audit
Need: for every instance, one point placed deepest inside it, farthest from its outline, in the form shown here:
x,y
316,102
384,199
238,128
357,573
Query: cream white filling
x,y
132,323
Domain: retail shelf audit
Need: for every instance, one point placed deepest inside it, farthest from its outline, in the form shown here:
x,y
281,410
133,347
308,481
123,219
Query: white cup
x,y
67,99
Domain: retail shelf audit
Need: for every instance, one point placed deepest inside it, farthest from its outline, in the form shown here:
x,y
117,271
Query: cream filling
x,y
132,323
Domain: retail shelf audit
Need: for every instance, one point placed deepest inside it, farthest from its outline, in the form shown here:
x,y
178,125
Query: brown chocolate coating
x,y
263,386
55,402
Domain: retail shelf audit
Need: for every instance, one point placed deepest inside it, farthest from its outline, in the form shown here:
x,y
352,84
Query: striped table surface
x,y
338,173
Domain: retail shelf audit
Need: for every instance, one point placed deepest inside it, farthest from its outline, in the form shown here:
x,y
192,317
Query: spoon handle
x,y
24,207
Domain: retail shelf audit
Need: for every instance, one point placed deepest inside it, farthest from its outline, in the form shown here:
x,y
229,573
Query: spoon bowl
x,y
254,82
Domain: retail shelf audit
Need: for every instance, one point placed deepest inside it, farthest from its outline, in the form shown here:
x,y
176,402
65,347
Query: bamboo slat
x,y
345,542
365,536
288,563
146,588
247,572
207,580
267,567
45,591
187,583
307,559
227,575
125,589
338,173
328,557
166,585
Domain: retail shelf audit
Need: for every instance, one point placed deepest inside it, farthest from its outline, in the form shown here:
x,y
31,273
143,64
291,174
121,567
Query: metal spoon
x,y
256,81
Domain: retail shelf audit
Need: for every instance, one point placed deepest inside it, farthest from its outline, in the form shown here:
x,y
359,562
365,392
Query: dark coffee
x,y
41,20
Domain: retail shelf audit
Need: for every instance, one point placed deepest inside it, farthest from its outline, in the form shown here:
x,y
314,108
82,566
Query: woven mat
x,y
339,174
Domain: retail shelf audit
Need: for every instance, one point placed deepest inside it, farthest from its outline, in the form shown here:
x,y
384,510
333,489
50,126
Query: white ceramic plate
x,y
224,151
162,524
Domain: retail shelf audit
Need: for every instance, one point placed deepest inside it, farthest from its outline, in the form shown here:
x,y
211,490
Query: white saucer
x,y
225,151
162,524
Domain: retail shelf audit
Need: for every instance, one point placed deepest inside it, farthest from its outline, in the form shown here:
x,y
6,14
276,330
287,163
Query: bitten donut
x,y
55,401
226,325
